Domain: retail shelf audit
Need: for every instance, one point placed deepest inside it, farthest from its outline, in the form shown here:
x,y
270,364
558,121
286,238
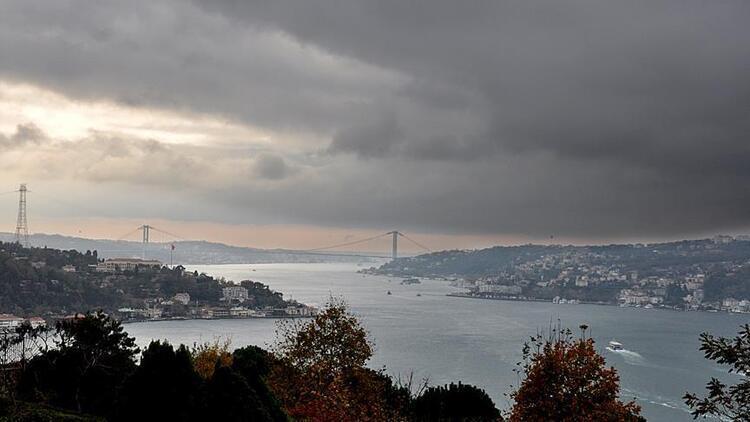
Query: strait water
x,y
476,341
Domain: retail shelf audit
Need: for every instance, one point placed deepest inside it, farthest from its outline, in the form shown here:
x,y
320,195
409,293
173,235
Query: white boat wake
x,y
631,357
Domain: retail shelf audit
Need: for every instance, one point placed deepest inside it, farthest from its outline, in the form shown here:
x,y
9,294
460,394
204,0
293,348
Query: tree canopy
x,y
732,402
565,379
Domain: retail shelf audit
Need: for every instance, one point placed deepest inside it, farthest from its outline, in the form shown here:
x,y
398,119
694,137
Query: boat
x,y
389,292
615,345
419,294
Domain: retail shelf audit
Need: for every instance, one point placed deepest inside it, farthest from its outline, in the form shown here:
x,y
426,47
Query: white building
x,y
69,268
9,322
237,293
126,264
634,297
240,312
183,298
36,322
301,311
500,289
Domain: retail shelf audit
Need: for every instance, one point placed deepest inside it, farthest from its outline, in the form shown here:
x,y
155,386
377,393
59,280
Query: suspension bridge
x,y
144,234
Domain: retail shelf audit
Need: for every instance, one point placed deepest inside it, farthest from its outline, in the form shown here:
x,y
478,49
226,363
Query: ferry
x,y
615,345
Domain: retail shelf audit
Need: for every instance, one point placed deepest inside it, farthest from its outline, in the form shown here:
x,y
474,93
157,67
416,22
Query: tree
x,y
455,403
230,398
16,349
732,402
92,358
163,387
567,380
320,372
254,364
207,357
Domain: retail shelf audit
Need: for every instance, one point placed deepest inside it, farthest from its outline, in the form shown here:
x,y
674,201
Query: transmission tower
x,y
22,226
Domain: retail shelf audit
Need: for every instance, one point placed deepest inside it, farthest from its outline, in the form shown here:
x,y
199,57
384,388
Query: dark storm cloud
x,y
577,117
25,134
374,138
652,99
271,167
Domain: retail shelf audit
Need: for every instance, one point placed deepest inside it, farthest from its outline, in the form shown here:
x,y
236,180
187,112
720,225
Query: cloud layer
x,y
579,119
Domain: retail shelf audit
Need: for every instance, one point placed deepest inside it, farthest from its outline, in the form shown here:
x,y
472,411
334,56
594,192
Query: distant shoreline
x,y
512,299
584,302
134,321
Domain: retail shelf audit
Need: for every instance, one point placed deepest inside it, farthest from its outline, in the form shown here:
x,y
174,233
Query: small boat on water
x,y
419,294
389,292
615,345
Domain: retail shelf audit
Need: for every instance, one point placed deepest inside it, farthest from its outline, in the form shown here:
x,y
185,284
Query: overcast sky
x,y
291,123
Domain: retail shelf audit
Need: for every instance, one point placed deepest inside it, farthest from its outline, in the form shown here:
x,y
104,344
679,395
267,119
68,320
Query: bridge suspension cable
x,y
415,242
130,233
167,233
341,245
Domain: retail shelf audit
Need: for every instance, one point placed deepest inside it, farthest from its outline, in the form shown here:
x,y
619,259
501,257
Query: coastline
x,y
133,321
585,302
525,299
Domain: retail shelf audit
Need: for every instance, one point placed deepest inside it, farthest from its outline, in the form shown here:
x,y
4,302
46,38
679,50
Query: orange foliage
x,y
567,380
209,356
320,373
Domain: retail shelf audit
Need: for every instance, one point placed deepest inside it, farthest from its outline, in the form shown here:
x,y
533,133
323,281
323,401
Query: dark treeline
x,y
88,368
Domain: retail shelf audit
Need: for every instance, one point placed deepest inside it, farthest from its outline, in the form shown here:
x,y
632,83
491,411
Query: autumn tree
x,y
207,357
565,379
729,402
320,372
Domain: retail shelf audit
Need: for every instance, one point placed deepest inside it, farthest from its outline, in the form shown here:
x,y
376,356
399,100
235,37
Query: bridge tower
x,y
22,226
394,250
146,232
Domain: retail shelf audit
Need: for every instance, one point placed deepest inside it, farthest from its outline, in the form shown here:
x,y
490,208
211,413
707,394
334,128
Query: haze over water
x,y
476,341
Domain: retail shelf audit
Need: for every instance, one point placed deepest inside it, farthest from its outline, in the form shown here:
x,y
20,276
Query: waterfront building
x,y
500,289
126,264
240,312
36,322
9,322
236,293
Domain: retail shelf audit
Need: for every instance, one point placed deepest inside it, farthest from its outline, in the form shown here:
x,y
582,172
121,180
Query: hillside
x,y
196,252
51,282
707,273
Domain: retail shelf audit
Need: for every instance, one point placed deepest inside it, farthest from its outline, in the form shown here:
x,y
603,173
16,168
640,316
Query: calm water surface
x,y
476,341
